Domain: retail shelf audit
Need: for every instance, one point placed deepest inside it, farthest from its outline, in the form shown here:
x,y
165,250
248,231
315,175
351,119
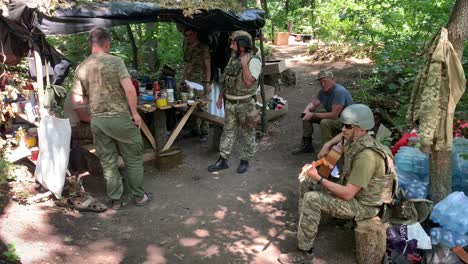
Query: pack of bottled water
x,y
449,238
451,213
413,161
460,165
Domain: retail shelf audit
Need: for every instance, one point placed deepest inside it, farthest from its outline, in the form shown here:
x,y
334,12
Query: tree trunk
x,y
150,48
265,6
370,236
286,6
458,26
441,161
134,47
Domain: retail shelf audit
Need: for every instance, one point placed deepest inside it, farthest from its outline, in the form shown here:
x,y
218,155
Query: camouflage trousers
x,y
313,203
200,126
329,128
114,137
235,113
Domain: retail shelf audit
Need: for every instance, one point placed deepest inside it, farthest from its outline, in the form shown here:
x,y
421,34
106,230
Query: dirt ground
x,y
197,216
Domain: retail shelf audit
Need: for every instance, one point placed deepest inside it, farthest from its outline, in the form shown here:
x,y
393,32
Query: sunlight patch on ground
x,y
155,255
210,251
263,202
190,242
104,251
221,213
202,233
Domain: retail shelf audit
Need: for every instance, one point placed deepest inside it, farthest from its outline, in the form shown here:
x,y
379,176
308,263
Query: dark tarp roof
x,y
83,18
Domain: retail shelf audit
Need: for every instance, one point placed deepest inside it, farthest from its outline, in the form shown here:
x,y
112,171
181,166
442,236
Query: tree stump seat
x,y
371,244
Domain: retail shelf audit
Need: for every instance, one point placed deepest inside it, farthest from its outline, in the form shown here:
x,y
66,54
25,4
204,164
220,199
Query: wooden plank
x,y
179,127
209,117
148,134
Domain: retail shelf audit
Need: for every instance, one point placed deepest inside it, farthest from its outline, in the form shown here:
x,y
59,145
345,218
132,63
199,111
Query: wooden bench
x,y
218,123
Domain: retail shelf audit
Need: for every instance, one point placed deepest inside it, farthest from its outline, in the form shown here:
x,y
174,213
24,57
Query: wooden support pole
x,y
262,88
39,77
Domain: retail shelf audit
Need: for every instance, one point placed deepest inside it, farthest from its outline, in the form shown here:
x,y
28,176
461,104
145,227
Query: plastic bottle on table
x,y
156,88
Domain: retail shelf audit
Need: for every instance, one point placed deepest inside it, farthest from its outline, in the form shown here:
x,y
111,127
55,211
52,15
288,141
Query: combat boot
x,y
306,146
221,164
243,166
297,257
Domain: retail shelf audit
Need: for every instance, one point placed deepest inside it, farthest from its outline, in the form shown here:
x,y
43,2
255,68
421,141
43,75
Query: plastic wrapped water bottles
x,y
451,213
448,238
412,185
460,165
412,160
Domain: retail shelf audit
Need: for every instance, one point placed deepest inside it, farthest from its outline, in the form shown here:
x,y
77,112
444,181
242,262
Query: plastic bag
x,y
440,254
54,149
415,231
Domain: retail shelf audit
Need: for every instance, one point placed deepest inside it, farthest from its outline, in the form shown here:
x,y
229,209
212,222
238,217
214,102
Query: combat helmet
x,y
359,115
242,38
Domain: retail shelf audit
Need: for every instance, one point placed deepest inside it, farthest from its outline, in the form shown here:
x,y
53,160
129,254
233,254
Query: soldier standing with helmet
x,y
240,84
369,182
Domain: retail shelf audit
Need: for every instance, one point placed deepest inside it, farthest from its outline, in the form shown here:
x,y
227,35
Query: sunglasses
x,y
348,126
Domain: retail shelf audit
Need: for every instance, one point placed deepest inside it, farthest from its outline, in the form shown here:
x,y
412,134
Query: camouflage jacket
x,y
437,89
98,78
380,189
194,58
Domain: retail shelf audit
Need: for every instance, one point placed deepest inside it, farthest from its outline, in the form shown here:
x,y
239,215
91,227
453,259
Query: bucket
x,y
161,102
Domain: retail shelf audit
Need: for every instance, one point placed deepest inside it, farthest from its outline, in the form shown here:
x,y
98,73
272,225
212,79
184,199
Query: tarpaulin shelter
x,y
24,28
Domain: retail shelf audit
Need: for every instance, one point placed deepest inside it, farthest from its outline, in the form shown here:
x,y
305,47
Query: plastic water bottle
x,y
460,165
412,160
447,237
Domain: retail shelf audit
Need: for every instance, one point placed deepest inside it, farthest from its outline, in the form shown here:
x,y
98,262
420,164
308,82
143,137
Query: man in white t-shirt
x,y
79,118
240,83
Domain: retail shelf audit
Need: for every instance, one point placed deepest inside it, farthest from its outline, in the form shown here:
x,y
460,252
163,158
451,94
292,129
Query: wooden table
x,y
160,131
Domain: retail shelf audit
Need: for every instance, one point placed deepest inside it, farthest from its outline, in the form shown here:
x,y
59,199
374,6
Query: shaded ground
x,y
197,217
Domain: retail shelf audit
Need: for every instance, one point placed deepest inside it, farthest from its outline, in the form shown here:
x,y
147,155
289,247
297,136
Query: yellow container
x,y
161,102
31,141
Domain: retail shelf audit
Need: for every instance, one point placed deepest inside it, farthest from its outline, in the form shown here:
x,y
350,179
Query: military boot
x,y
243,166
306,146
221,164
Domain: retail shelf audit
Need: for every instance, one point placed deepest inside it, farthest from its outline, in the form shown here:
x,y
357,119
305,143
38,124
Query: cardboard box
x,y
274,67
281,38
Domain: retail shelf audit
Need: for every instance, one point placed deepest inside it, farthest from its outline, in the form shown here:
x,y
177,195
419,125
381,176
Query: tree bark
x,y
458,26
441,161
134,47
265,6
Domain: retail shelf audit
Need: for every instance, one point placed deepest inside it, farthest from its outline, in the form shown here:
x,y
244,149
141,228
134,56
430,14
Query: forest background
x,y
392,33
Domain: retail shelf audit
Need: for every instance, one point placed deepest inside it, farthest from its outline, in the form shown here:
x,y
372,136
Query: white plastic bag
x,y
213,96
415,231
54,149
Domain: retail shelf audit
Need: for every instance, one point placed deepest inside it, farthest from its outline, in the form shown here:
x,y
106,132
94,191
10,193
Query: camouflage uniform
x,y
236,111
437,90
194,58
366,166
329,128
114,133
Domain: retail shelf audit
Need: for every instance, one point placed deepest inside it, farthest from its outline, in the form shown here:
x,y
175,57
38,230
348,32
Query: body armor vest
x,y
233,79
380,189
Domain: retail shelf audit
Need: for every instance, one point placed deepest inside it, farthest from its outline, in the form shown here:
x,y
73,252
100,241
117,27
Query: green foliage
x,y
5,170
11,255
312,48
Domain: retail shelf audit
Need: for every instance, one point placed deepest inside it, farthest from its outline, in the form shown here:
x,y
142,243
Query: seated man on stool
x,y
334,98
79,117
369,180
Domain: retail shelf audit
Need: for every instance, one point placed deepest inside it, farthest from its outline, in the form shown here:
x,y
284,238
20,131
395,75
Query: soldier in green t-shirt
x,y
104,81
369,180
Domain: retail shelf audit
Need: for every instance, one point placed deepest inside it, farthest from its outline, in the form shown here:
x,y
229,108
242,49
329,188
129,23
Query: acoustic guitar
x,y
326,164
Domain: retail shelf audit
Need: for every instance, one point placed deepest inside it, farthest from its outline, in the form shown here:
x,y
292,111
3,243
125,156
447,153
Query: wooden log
x,y
370,236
